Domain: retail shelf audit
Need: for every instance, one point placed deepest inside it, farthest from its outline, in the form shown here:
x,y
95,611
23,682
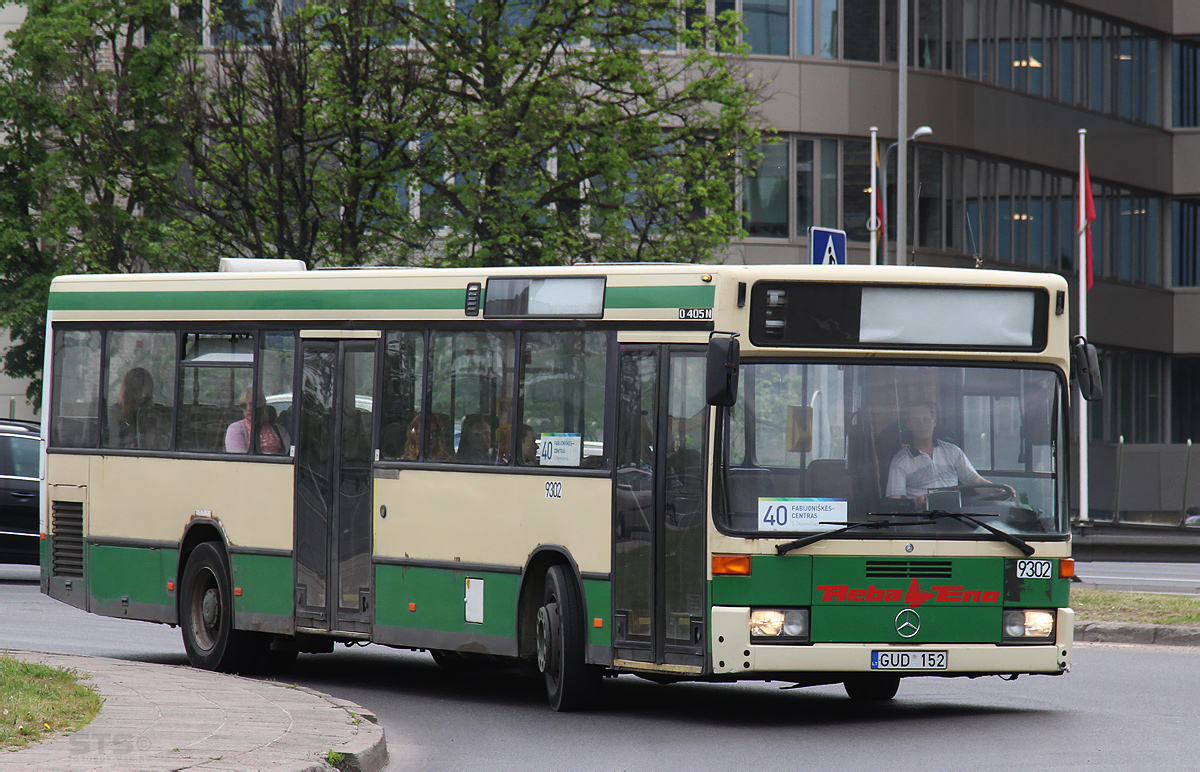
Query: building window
x,y
1031,46
1185,83
1009,213
1185,399
1133,406
862,30
766,26
828,25
1185,242
765,195
804,27
856,188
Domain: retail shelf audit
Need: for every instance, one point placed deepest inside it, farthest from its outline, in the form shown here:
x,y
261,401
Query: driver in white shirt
x,y
927,463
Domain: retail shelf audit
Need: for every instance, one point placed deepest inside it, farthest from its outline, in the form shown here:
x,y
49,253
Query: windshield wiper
x,y
816,537
940,514
928,518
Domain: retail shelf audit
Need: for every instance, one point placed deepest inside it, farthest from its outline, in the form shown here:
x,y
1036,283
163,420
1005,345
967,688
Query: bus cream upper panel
x,y
657,293
493,518
155,498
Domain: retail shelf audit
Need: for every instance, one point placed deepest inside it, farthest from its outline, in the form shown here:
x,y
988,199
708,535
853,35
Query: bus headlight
x,y
1027,624
779,624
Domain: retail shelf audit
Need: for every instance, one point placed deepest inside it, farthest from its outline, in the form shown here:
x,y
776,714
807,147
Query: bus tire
x,y
872,688
206,612
571,684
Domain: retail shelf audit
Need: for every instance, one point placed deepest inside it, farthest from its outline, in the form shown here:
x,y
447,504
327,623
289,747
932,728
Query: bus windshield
x,y
812,447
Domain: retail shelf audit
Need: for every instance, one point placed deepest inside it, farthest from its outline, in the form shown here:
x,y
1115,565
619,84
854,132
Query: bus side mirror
x,y
724,357
1087,370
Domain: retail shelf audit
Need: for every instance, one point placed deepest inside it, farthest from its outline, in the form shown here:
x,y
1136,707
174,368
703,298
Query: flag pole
x,y
1083,289
873,223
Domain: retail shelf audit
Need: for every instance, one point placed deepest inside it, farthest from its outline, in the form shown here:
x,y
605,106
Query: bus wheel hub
x,y
544,641
209,608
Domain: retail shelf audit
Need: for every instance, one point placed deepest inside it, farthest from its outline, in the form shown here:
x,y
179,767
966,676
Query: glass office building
x,y
1005,86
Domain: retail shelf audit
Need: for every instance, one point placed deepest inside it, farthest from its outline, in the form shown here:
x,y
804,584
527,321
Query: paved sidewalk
x,y
165,717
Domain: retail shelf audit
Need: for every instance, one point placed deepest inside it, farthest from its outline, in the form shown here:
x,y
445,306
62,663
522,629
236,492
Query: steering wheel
x,y
1000,491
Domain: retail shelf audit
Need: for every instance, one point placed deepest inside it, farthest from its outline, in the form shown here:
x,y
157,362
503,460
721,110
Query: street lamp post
x,y
901,194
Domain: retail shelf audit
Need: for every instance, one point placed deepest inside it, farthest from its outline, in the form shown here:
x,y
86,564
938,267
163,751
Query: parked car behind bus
x,y
20,444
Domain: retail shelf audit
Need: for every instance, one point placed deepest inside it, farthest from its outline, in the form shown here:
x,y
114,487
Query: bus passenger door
x,y
333,486
659,513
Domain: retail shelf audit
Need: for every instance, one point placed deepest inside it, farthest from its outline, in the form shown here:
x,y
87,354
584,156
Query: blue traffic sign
x,y
827,246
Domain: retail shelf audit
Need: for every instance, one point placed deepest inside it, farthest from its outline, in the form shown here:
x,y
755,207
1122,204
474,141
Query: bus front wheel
x,y
206,611
872,688
571,683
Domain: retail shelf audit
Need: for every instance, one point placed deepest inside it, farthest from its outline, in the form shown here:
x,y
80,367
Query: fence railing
x,y
1145,484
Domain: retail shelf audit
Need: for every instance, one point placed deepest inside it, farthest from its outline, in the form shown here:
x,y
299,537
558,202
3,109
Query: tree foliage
x,y
342,132
84,141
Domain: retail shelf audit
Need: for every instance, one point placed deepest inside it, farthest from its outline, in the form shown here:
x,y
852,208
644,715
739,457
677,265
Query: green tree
x,y
83,143
296,126
145,135
489,132
580,130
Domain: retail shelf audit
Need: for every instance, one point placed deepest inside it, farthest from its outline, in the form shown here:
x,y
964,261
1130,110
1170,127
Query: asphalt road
x,y
1122,707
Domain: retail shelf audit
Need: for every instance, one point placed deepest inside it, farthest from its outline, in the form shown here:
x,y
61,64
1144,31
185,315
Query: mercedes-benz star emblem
x,y
908,623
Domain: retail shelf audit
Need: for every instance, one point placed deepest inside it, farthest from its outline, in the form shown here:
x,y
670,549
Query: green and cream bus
x,y
683,472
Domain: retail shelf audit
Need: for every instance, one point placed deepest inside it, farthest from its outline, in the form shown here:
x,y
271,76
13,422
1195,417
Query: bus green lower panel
x,y
598,596
132,581
774,580
877,624
262,597
423,598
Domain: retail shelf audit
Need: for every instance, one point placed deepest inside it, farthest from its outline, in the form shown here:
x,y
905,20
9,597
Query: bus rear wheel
x,y
872,688
571,684
206,612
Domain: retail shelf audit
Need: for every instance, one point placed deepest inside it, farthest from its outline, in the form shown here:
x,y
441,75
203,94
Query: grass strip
x,y
37,700
1122,606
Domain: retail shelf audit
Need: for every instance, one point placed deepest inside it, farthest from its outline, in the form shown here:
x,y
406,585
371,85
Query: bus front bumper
x,y
734,654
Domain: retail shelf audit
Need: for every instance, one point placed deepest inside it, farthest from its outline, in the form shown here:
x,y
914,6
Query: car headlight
x,y
778,624
1027,625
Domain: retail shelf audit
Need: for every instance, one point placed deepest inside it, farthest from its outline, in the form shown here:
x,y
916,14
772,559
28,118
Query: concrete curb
x,y
367,752
168,717
1134,632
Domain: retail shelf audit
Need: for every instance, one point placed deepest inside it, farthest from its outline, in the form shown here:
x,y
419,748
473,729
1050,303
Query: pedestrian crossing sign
x,y
827,246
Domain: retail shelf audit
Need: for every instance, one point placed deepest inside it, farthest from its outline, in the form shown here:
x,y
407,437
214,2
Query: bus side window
x,y
75,401
140,374
276,373
216,379
562,398
471,379
403,392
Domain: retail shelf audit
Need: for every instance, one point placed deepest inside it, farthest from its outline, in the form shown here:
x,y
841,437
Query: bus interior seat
x,y
747,484
392,435
77,426
154,427
862,462
828,478
202,427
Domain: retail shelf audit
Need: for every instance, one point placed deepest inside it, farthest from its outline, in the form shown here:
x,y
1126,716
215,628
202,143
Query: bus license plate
x,y
908,660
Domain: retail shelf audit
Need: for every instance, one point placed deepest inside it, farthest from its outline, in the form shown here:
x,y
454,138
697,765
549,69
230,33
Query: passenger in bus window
x,y
439,440
475,444
527,449
137,393
272,437
927,463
